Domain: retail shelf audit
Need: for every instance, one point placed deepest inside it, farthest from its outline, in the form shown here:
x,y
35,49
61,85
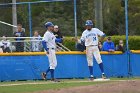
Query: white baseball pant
x,y
93,51
52,58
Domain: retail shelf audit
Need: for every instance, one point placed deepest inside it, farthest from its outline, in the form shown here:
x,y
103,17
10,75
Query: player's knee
x,y
99,61
90,63
90,58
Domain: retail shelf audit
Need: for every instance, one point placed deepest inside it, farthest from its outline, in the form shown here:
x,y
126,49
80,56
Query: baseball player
x,y
49,45
90,38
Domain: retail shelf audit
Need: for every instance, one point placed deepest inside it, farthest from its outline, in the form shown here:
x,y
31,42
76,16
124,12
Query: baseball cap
x,y
89,23
48,24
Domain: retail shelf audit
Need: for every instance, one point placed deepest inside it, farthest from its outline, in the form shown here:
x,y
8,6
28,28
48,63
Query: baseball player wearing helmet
x,y
90,37
49,45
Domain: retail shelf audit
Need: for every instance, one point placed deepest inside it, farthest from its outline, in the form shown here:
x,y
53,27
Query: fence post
x,y
126,23
75,18
127,43
98,14
14,14
30,18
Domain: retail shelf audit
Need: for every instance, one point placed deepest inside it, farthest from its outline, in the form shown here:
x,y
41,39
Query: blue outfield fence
x,y
135,64
29,67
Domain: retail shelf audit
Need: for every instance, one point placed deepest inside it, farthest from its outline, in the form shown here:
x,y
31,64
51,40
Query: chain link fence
x,y
33,16
62,14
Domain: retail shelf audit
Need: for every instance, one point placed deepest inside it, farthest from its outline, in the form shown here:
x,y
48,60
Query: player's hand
x,y
17,34
56,35
47,52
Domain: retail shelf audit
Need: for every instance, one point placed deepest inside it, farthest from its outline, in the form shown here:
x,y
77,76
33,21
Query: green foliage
x,y
69,43
134,42
62,14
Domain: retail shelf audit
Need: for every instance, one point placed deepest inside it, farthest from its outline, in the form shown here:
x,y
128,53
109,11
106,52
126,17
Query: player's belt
x,y
52,48
93,45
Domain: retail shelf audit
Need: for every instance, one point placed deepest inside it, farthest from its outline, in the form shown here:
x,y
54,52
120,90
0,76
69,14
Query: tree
x,y
61,13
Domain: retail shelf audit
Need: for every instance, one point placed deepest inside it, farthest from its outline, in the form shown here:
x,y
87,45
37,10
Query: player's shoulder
x,y
47,33
95,29
85,31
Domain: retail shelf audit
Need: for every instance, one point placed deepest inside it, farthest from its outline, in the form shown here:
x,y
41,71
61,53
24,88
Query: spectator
x,y
36,45
100,46
5,44
120,47
57,32
58,35
108,45
1,51
20,41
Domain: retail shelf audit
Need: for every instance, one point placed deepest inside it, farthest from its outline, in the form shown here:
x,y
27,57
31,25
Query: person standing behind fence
x,y
121,46
108,45
57,33
100,45
36,44
5,44
19,41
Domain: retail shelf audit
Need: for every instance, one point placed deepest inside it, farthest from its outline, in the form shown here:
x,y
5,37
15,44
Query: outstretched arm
x,y
58,40
102,37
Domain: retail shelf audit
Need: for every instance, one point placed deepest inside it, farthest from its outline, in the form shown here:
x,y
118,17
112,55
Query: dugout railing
x,y
30,44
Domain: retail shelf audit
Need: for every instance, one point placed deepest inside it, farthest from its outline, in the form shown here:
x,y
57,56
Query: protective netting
x,y
62,14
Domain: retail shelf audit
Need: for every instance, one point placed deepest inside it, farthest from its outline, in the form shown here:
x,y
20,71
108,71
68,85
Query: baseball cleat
x,y
43,76
55,80
91,78
103,76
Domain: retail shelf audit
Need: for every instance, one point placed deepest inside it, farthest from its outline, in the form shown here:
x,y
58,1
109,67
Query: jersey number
x,y
94,38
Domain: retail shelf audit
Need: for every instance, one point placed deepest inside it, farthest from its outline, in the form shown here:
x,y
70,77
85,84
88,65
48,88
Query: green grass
x,y
39,87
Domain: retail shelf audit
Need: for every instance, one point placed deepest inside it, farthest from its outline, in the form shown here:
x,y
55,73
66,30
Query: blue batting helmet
x,y
89,23
48,24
